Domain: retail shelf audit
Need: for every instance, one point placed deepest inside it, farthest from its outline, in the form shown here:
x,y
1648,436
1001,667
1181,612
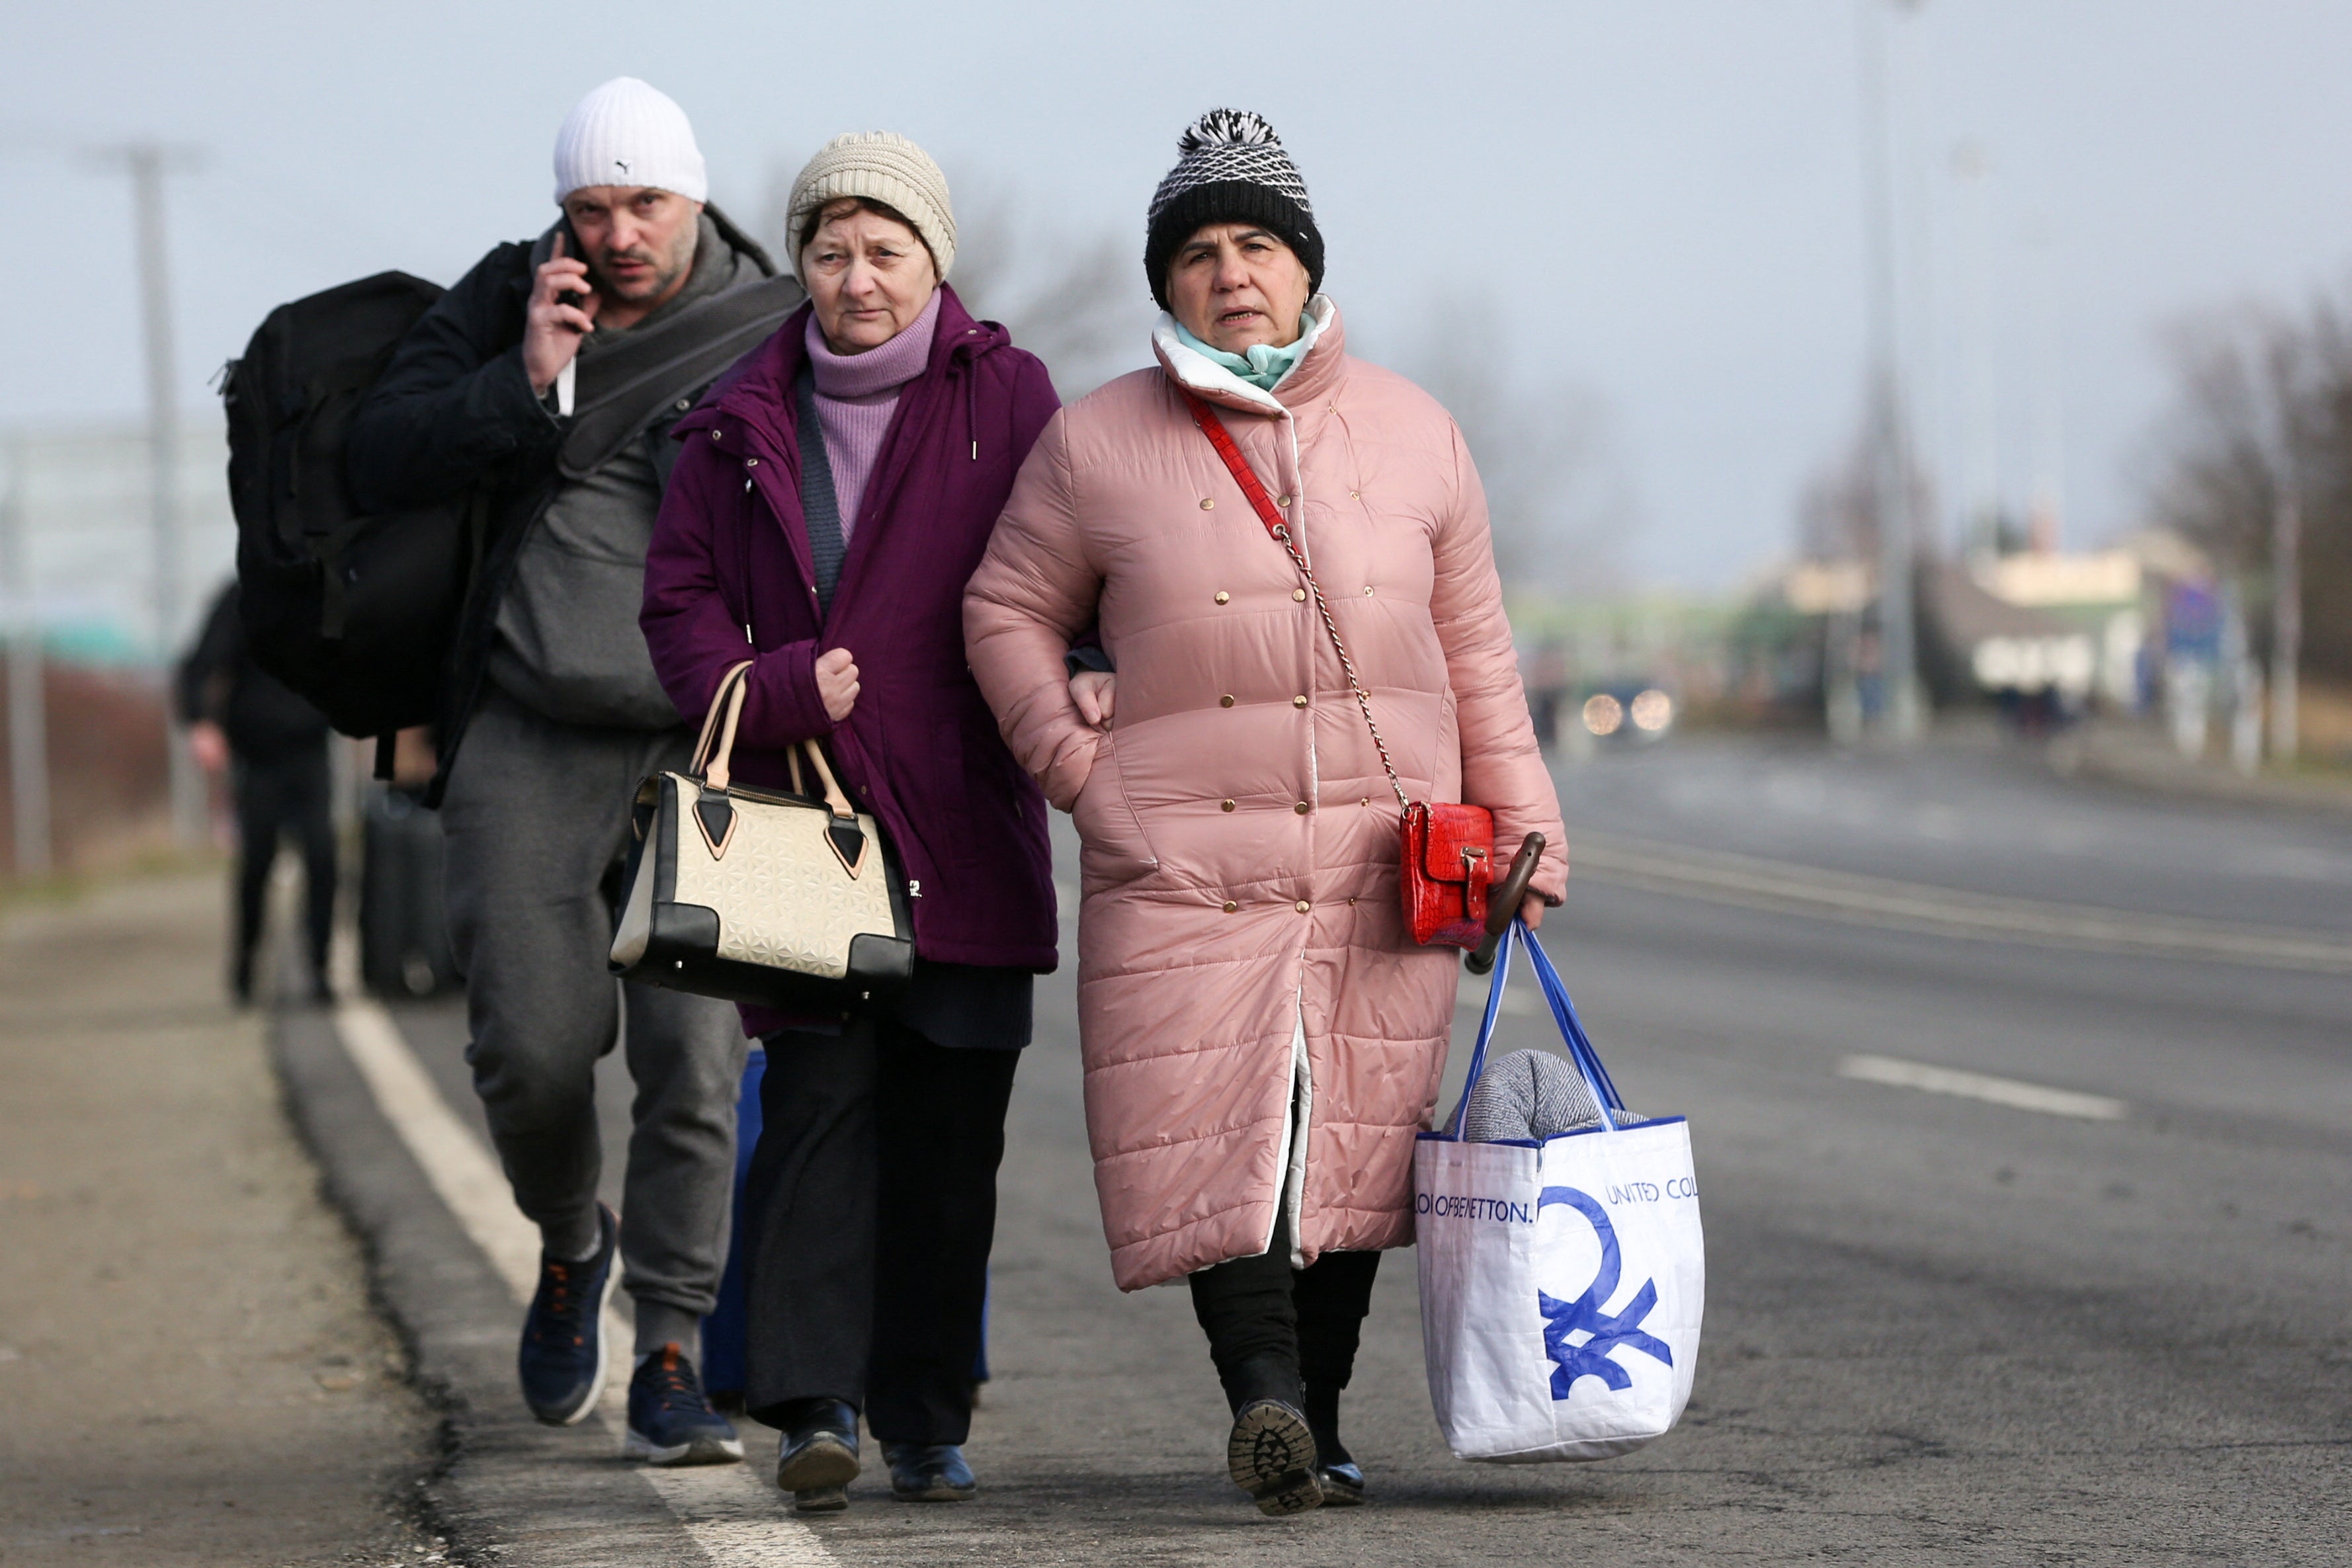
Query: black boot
x,y
1335,1469
819,1457
1271,1451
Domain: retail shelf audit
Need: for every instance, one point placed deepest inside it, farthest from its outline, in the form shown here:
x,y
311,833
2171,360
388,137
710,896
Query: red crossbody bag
x,y
1446,861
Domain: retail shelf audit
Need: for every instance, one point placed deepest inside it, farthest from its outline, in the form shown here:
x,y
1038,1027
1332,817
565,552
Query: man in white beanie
x,y
544,385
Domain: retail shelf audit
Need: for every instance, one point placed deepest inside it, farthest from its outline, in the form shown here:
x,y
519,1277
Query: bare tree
x,y
2263,406
1561,502
1840,508
1076,301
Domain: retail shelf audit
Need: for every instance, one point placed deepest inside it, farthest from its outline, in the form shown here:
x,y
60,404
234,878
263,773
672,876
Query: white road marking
x,y
730,1512
2012,1092
1780,885
469,1180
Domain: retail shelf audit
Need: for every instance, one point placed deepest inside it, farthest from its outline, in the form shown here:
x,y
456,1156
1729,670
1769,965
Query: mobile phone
x,y
572,247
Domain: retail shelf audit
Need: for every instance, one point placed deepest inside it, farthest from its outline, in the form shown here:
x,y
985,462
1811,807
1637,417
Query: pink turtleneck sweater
x,y
855,396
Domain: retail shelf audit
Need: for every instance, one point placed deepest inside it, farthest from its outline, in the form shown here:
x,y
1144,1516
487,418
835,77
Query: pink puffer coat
x,y
1240,946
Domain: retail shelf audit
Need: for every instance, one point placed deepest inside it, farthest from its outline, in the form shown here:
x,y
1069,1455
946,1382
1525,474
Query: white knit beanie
x,y
626,133
881,167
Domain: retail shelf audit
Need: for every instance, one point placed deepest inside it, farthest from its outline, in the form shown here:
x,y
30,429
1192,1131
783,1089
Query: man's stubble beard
x,y
664,281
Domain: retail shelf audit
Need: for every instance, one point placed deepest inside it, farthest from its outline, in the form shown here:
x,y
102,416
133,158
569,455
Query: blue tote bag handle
x,y
1563,1012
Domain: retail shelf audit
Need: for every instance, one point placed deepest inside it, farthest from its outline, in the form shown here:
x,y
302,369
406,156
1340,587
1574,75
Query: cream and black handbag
x,y
789,899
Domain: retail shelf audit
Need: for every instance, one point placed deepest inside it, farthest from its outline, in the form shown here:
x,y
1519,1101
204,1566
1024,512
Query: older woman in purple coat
x,y
834,493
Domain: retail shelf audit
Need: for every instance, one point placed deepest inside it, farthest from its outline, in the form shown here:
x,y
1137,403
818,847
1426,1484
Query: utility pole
x,y
1981,500
147,163
1897,504
2286,618
29,719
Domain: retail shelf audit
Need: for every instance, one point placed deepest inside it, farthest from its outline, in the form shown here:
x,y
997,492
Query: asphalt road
x,y
1939,1330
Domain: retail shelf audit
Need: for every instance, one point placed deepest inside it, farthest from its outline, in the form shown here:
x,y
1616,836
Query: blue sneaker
x,y
563,1356
670,1422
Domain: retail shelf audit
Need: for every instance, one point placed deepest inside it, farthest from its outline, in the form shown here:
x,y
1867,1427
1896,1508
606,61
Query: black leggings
x,y
1309,1318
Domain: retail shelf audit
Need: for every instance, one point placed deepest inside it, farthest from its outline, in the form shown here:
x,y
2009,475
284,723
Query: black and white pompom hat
x,y
1230,168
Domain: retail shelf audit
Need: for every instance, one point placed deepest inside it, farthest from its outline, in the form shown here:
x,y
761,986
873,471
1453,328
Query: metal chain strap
x,y
1263,504
1281,532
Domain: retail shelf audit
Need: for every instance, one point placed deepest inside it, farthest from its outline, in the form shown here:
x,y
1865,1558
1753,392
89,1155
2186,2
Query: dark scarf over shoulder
x,y
732,299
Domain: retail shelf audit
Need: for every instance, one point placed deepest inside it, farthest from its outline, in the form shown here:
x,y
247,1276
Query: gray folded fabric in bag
x,y
1528,1095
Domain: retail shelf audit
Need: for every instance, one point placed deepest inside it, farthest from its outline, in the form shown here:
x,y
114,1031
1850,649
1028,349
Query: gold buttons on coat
x,y
1231,906
1367,590
1351,495
1223,597
1298,702
1299,593
1226,701
1302,807
1226,806
1282,500
1304,906
1208,504
750,462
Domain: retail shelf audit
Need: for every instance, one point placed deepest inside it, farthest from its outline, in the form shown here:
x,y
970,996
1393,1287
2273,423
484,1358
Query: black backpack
x,y
356,612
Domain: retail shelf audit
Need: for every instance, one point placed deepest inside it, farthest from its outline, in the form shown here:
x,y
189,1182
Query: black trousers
x,y
291,793
1309,1319
869,1210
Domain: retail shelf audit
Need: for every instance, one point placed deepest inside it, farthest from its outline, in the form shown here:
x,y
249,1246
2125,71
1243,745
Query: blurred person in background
x,y
273,746
834,495
549,376
1262,1039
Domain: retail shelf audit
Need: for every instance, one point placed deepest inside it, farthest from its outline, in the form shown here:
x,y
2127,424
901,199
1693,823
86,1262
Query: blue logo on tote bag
x,y
1608,1330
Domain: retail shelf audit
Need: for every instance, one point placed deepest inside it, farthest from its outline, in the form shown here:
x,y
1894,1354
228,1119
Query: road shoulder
x,y
190,1364
507,1489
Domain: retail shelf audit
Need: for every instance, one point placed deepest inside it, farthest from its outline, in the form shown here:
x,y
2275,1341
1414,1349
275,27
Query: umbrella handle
x,y
1503,902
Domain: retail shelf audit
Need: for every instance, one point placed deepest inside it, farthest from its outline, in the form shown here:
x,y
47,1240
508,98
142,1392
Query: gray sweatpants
x,y
535,817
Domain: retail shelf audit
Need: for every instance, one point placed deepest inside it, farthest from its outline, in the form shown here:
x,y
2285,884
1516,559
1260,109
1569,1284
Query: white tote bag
x,y
1560,1281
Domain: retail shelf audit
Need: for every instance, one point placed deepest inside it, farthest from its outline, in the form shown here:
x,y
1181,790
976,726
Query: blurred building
x,y
79,604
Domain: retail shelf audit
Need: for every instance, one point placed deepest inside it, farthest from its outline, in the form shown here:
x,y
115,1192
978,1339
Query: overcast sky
x,y
1661,199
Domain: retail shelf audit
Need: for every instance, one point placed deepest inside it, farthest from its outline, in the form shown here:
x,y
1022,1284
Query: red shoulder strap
x,y
1238,466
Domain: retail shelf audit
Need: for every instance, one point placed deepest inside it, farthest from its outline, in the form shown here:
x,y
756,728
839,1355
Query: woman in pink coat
x,y
1262,1038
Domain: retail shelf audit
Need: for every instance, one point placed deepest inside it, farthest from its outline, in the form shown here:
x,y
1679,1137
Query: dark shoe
x,y
1342,1481
819,1454
562,1355
928,1472
821,1499
670,1423
1271,1456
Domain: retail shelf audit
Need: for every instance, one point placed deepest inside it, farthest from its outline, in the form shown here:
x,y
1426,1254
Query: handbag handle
x,y
1563,1011
726,709
1262,504
715,749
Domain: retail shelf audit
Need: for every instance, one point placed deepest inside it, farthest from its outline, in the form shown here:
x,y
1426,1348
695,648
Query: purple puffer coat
x,y
920,750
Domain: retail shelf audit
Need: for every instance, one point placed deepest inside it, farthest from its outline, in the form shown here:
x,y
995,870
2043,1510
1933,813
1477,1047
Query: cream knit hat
x,y
882,167
626,133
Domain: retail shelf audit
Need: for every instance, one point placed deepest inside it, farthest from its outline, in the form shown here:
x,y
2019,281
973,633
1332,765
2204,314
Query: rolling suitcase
x,y
403,930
